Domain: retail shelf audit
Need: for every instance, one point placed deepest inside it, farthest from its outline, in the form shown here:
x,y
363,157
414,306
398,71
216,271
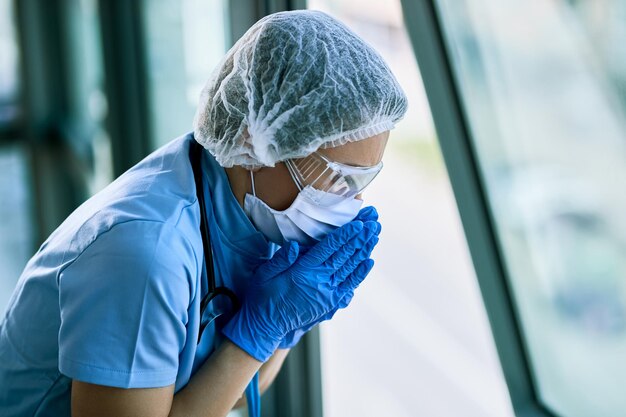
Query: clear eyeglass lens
x,y
332,177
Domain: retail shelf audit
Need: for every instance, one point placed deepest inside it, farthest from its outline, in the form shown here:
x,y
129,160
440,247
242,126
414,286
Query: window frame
x,y
56,165
433,54
126,82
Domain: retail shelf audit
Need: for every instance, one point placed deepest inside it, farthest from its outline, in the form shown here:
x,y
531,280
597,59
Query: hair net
x,y
295,81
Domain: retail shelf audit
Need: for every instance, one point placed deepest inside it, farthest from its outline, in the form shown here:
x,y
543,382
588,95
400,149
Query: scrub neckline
x,y
251,242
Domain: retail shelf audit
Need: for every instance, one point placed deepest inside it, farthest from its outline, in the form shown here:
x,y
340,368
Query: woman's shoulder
x,y
151,207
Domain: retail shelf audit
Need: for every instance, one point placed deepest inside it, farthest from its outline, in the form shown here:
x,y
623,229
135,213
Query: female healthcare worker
x,y
165,294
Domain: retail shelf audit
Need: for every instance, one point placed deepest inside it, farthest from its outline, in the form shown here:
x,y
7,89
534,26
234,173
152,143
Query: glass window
x,y
185,40
16,229
543,87
16,225
415,339
88,102
9,60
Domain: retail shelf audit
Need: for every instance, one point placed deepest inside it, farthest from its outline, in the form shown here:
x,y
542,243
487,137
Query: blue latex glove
x,y
292,338
368,213
290,292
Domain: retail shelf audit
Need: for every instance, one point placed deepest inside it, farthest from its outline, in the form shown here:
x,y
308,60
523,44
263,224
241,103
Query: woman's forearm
x,y
270,369
218,384
267,373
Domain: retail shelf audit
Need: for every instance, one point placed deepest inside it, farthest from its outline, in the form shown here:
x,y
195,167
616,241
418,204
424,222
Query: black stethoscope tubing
x,y
213,291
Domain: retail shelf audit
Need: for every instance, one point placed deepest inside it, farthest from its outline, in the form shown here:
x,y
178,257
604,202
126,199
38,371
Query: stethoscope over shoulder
x,y
228,301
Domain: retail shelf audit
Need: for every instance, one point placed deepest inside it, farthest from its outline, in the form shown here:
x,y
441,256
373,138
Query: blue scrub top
x,y
113,296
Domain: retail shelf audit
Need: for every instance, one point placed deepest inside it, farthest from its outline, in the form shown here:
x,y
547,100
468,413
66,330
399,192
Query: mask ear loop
x,y
252,182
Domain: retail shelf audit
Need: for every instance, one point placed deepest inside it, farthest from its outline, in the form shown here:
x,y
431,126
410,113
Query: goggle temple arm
x,y
293,172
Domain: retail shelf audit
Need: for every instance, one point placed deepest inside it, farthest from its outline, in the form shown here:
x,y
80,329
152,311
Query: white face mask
x,y
305,221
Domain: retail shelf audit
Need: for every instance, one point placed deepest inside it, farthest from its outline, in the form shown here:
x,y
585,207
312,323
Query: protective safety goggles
x,y
331,177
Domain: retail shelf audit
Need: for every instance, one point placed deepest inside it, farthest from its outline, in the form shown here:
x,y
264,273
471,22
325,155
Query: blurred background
x,y
89,87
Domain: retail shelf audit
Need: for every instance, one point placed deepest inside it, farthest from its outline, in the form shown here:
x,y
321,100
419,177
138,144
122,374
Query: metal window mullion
x,y
244,13
57,180
126,81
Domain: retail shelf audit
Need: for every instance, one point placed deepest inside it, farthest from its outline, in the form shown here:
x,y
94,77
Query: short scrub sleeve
x,y
124,303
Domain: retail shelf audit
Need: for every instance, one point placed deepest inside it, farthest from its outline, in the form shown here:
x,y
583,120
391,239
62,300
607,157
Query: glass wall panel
x,y
16,229
415,340
88,101
9,63
16,218
185,39
543,87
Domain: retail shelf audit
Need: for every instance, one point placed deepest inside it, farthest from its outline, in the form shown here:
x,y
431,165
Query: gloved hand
x,y
368,213
292,338
290,292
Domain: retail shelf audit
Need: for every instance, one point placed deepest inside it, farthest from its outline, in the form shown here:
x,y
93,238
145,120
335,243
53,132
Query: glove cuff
x,y
242,332
291,339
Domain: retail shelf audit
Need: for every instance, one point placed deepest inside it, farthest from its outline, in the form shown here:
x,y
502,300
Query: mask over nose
x,y
306,221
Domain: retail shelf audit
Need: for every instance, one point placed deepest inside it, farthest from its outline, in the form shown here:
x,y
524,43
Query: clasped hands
x,y
295,290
